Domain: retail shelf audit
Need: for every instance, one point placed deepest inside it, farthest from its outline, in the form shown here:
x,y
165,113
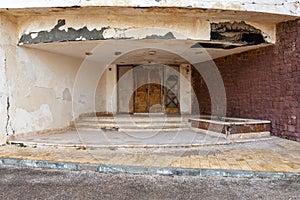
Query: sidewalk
x,y
273,155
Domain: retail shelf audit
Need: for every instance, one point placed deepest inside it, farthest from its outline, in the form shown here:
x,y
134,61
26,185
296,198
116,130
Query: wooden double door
x,y
155,89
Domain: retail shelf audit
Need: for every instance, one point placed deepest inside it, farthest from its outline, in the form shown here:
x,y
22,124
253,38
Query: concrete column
x,y
185,89
111,89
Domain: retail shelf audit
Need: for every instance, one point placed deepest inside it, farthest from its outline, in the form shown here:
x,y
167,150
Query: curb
x,y
132,146
141,170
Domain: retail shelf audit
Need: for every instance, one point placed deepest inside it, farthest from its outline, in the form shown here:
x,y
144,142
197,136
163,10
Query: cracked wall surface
x,y
6,54
35,86
40,85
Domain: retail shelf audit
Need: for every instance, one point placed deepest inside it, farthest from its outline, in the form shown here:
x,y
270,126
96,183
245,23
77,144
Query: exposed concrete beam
x,y
282,7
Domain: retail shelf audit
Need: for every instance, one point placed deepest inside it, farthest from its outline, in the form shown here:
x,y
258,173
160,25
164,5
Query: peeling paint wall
x,y
3,85
101,27
72,27
40,85
36,87
7,52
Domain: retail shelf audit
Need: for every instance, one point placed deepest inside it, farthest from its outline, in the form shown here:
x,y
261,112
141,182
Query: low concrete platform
x,y
266,158
119,139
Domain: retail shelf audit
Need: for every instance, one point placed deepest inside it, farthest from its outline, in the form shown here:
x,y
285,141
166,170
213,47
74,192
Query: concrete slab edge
x,y
147,170
141,146
119,146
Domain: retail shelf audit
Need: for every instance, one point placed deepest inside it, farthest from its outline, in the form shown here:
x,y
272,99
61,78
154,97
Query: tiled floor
x,y
273,154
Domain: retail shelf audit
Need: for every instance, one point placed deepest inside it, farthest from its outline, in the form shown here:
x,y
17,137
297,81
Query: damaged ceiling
x,y
226,38
234,32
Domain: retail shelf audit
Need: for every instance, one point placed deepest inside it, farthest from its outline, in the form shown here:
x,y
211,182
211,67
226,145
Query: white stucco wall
x,y
286,7
100,96
89,95
106,92
7,38
35,86
41,85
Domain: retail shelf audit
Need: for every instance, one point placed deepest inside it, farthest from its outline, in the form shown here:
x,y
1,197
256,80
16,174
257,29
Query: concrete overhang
x,y
165,51
135,20
281,7
191,23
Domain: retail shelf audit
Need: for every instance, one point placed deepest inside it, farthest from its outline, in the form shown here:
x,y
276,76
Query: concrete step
x,y
131,130
133,123
153,130
105,123
133,119
132,126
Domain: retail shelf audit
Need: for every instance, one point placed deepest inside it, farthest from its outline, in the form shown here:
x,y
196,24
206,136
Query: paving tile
x,y
274,155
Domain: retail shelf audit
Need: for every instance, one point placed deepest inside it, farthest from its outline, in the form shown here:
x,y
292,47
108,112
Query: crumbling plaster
x,y
40,84
104,26
35,86
34,29
7,49
268,30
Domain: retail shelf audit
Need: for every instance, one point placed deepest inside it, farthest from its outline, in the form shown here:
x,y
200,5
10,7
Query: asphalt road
x,y
25,183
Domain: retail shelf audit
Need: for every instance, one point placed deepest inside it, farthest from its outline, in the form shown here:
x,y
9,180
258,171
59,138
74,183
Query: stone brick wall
x,y
262,83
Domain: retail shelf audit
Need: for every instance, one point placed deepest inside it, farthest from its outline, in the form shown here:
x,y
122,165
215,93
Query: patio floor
x,y
202,152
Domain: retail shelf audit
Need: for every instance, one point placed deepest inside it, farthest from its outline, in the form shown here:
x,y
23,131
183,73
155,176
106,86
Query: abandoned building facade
x,y
62,59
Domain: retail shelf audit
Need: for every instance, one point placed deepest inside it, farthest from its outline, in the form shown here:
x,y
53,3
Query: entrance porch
x,y
151,130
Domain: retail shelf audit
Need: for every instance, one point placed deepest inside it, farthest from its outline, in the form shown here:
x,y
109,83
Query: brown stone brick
x,y
262,83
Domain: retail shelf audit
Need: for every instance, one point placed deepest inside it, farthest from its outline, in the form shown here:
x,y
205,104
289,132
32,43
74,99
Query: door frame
x,y
163,95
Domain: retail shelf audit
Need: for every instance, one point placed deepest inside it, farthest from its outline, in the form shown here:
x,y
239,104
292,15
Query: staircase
x,y
133,123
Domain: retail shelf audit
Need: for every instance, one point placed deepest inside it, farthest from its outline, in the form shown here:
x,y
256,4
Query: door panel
x,y
171,89
155,90
148,96
141,97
